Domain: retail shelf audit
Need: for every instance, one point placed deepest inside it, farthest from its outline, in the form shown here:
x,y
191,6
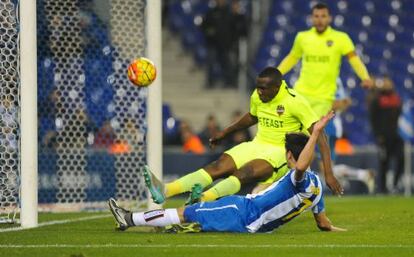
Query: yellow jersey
x,y
321,61
287,112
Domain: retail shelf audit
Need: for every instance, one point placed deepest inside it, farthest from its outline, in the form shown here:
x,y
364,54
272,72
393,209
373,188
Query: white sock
x,y
156,218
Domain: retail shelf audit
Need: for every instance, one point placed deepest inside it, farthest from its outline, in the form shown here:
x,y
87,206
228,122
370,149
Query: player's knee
x,y
245,175
220,168
249,174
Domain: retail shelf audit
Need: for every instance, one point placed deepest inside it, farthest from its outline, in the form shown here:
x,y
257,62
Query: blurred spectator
x,y
82,120
343,146
191,142
47,122
105,136
210,129
170,127
239,21
164,11
217,28
135,136
238,136
130,138
385,109
93,30
239,31
9,140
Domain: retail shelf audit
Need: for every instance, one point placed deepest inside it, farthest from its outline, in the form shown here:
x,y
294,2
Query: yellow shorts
x,y
253,150
319,106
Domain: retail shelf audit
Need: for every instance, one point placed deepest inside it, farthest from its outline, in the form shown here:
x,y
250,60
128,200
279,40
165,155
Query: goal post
x,y
84,132
154,39
28,113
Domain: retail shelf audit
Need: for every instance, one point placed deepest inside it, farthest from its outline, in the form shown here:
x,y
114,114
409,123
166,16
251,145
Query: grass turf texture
x,y
378,226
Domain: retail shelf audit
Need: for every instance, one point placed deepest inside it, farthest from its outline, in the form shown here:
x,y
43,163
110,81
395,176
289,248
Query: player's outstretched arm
x,y
330,179
306,156
360,69
244,122
287,63
324,224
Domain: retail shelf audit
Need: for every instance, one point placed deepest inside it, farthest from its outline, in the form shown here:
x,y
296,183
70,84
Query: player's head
x,y
294,144
268,83
321,18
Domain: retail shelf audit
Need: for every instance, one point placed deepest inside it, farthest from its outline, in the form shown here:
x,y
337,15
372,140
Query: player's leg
x,y
155,218
259,167
256,170
226,214
384,160
252,171
346,172
398,153
205,176
278,173
122,217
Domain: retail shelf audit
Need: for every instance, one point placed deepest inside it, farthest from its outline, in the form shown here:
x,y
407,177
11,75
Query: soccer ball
x,y
142,72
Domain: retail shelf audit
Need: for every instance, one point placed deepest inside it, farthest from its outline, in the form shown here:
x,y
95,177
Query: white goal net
x,y
91,120
9,102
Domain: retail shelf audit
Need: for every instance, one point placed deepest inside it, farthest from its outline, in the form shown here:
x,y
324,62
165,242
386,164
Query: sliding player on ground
x,y
300,189
277,110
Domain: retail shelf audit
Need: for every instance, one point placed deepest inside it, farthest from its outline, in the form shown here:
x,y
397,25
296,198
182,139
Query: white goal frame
x,y
28,100
28,113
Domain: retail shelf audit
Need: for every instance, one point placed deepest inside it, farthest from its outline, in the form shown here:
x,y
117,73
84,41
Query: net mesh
x,y
92,121
94,144
9,122
128,105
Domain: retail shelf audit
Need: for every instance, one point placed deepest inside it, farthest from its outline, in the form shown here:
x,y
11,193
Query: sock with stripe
x,y
156,218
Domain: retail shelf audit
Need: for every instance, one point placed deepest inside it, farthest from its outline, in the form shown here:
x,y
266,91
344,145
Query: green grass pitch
x,y
378,226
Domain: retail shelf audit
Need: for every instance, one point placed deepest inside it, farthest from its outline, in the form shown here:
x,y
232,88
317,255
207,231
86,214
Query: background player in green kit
x,y
321,49
277,110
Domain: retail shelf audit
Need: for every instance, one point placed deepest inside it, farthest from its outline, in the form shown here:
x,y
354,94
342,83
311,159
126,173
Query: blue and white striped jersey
x,y
283,201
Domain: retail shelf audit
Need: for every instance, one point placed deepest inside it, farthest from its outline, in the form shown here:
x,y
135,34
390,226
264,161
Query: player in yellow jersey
x,y
321,49
277,110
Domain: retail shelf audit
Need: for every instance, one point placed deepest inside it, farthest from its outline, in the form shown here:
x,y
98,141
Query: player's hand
x,y
334,185
367,83
216,139
323,121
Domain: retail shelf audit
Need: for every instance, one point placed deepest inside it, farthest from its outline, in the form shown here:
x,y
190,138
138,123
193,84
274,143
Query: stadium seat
x,y
382,30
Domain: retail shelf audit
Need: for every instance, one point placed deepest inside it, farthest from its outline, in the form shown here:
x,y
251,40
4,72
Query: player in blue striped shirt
x,y
300,189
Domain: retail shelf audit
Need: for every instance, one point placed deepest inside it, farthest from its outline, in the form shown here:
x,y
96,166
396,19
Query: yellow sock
x,y
209,195
228,186
184,184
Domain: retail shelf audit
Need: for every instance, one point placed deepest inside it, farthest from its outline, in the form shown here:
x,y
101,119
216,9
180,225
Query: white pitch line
x,y
204,246
54,222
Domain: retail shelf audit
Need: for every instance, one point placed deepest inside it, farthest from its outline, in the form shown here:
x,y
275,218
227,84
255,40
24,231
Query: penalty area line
x,y
55,222
328,246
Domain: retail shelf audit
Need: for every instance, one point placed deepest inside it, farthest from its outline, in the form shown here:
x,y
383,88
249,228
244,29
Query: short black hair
x,y
274,74
319,6
295,142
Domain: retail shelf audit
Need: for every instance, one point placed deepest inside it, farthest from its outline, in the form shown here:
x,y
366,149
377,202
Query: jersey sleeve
x,y
347,45
319,207
253,103
297,47
303,112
